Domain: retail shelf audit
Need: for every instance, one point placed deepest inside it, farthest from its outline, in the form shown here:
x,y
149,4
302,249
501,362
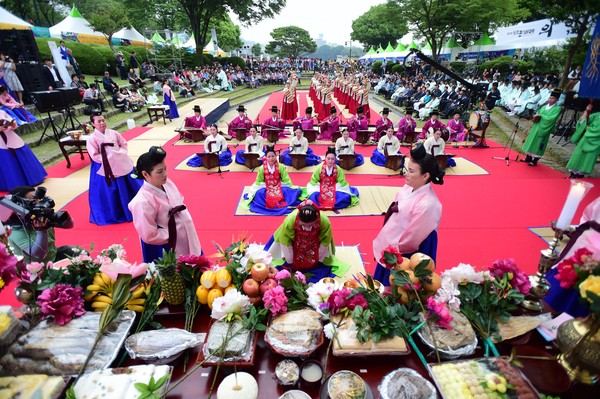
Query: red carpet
x,y
484,217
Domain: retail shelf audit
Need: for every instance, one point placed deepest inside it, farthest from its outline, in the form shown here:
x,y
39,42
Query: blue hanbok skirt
x,y
342,200
427,247
151,252
312,275
564,299
224,159
311,158
359,160
378,158
451,163
241,159
20,169
109,205
173,111
20,115
259,202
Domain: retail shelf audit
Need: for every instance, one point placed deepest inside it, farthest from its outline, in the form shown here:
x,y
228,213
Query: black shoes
x,y
534,162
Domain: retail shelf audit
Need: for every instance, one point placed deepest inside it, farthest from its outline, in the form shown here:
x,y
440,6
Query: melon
x,y
238,386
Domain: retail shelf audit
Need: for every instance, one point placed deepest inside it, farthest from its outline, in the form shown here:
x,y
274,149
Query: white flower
x,y
329,330
233,302
255,253
448,293
319,293
464,273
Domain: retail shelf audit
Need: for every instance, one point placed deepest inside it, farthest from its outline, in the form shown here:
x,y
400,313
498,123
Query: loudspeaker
x,y
20,45
48,101
70,95
32,78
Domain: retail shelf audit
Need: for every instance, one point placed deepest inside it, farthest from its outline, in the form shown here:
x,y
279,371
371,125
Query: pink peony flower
x,y
282,275
300,277
566,275
194,261
8,266
357,300
517,279
34,267
275,300
339,301
440,311
395,254
63,302
119,266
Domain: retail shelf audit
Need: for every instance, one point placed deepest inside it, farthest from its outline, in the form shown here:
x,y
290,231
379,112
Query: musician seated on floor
x,y
197,121
456,129
213,144
299,145
435,145
345,146
254,144
387,145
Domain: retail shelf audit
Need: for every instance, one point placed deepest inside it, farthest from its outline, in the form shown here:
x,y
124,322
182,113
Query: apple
x,y
255,300
272,272
251,287
267,285
259,272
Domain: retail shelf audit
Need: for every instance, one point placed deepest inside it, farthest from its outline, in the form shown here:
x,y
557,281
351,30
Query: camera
x,y
40,206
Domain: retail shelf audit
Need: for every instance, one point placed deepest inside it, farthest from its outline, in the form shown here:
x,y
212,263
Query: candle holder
x,y
539,284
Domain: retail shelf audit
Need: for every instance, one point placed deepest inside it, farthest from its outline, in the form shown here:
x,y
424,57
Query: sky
x,y
331,18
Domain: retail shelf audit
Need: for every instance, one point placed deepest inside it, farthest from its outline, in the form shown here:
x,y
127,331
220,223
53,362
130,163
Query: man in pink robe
x,y
382,124
358,122
432,123
240,121
197,121
306,122
274,122
406,126
329,125
456,129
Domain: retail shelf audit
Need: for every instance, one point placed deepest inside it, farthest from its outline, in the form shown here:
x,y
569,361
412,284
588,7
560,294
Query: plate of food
x,y
32,386
405,383
483,378
345,384
295,333
161,346
239,349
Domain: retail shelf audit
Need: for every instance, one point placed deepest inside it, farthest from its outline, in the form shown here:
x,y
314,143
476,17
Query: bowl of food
x,y
75,134
346,384
287,372
295,394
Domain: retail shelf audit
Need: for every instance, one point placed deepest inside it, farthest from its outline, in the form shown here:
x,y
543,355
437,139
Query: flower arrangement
x,y
486,297
191,268
289,294
582,272
8,266
62,302
235,259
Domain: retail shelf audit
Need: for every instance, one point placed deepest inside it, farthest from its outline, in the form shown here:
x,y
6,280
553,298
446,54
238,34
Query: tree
x,y
200,13
578,16
109,19
290,41
327,52
152,15
435,20
228,33
381,24
256,50
36,12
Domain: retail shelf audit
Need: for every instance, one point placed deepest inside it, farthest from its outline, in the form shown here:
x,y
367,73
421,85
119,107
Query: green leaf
x,y
70,394
141,387
390,258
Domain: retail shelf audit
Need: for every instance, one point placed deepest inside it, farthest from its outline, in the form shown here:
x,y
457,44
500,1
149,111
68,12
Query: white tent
x,y
131,34
10,21
75,28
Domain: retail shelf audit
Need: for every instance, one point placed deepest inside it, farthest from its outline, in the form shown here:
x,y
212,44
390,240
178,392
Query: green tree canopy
x,y
36,12
109,19
256,50
290,41
381,24
435,20
228,33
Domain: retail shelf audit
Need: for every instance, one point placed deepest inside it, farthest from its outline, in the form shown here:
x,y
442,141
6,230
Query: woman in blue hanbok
x,y
169,99
299,145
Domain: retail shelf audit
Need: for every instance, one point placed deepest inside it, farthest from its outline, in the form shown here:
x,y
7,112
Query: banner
x,y
532,32
589,86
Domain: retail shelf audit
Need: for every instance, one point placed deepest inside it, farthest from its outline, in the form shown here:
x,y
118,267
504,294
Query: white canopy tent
x,y
10,21
75,28
131,34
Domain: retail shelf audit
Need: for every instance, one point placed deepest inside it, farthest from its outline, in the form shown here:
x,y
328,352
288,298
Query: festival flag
x,y
589,87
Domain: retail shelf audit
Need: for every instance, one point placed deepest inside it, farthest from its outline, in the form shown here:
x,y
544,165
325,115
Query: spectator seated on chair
x,y
90,97
109,84
136,100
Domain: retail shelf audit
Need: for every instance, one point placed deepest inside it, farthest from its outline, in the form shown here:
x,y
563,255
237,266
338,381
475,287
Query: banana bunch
x,y
101,294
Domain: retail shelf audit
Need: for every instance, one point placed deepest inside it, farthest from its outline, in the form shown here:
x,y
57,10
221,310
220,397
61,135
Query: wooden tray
x,y
394,346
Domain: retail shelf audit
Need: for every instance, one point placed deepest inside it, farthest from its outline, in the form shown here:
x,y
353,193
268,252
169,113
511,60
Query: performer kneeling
x,y
304,242
389,143
328,187
435,145
213,144
273,192
412,219
345,146
159,215
299,145
254,145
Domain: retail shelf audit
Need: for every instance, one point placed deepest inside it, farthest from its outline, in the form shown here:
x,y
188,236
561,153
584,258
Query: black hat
x,y
435,112
409,111
270,148
556,93
360,109
418,151
241,108
197,108
274,108
333,110
330,150
386,111
309,110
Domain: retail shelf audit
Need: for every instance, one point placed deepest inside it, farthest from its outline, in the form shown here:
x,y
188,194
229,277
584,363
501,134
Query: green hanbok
x,y
540,132
587,137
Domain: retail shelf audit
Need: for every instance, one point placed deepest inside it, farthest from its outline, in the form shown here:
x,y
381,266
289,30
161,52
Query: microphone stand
x,y
219,170
510,146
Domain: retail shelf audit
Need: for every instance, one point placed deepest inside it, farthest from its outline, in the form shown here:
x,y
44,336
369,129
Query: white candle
x,y
312,372
576,194
2,229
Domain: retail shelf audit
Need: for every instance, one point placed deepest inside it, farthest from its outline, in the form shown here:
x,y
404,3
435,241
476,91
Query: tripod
x,y
70,117
512,141
55,130
219,171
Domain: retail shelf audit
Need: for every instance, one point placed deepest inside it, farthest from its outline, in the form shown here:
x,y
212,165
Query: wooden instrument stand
x,y
362,136
336,135
251,160
240,133
193,134
442,160
298,161
272,135
394,162
347,161
311,135
209,160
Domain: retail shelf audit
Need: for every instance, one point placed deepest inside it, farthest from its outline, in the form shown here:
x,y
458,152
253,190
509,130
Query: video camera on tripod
x,y
40,206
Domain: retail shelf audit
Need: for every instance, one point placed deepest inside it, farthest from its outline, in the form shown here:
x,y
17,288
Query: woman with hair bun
x,y
273,193
159,215
411,221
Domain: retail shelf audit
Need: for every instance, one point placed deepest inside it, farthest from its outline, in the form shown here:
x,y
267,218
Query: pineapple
x,y
171,282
